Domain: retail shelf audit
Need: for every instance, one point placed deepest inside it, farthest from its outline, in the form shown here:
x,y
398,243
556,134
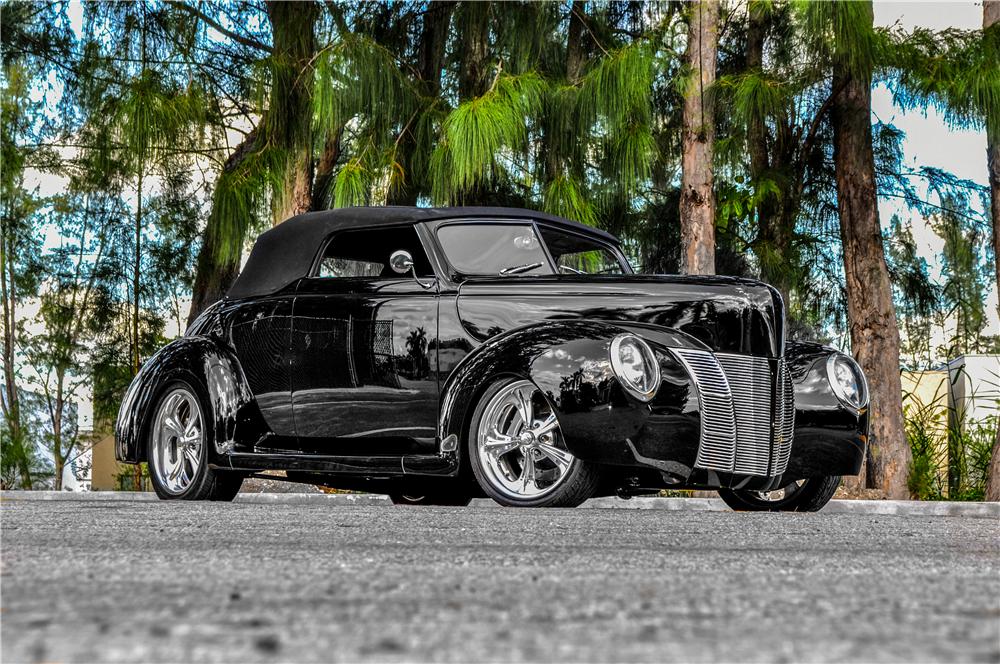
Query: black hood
x,y
728,314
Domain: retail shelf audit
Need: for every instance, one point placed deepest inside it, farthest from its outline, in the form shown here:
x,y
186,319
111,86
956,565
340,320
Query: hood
x,y
728,314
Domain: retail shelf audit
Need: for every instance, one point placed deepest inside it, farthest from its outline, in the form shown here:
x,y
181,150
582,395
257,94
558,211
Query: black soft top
x,y
286,252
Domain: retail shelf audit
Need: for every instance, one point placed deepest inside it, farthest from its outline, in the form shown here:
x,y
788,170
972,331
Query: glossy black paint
x,y
362,360
726,314
215,373
372,381
830,438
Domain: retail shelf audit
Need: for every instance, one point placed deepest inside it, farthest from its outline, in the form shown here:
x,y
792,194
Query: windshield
x,y
508,249
496,249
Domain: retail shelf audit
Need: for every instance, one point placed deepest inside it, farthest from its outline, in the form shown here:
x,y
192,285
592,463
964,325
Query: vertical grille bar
x,y
717,448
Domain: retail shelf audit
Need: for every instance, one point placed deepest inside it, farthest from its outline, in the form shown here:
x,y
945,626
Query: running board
x,y
368,466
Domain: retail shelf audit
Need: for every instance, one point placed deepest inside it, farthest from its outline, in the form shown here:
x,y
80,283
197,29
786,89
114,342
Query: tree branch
x,y
197,13
814,127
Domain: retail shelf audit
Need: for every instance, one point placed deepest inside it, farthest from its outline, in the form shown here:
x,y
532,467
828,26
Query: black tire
x,y
207,483
578,484
810,496
456,500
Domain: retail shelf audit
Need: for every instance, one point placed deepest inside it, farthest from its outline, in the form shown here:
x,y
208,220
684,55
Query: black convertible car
x,y
442,354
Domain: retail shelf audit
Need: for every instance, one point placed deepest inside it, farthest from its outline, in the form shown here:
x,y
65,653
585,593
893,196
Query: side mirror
x,y
401,261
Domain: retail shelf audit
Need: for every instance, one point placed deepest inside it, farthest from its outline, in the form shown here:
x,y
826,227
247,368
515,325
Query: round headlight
x,y
847,380
635,366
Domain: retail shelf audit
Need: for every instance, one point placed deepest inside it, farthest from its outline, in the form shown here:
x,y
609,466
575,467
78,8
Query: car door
x,y
364,346
261,332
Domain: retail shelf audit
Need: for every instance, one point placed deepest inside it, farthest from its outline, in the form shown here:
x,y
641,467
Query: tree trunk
x,y
574,41
756,129
874,333
56,412
991,18
697,206
11,401
991,24
137,266
289,115
776,214
136,275
325,167
768,241
57,480
433,40
474,76
430,62
554,129
213,276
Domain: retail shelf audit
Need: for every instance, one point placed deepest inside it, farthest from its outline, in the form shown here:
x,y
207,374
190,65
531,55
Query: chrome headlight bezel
x,y
861,383
648,359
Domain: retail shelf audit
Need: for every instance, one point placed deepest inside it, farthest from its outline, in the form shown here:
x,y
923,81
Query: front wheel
x,y
178,450
809,495
518,454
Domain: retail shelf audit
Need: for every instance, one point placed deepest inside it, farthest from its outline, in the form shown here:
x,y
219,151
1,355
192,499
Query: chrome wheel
x,y
519,443
176,441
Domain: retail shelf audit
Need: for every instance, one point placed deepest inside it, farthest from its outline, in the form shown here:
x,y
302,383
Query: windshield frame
x,y
457,275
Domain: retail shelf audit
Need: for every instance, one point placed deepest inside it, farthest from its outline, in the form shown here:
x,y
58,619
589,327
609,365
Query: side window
x,y
578,254
364,253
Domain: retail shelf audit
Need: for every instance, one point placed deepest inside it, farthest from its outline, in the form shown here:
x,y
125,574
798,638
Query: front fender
x,y
830,438
570,364
212,370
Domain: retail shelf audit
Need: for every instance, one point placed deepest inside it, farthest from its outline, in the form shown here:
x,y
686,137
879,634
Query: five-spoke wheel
x,y
177,451
175,445
518,453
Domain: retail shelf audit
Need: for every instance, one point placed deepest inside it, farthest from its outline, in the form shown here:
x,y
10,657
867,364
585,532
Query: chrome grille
x,y
750,383
744,428
784,420
717,449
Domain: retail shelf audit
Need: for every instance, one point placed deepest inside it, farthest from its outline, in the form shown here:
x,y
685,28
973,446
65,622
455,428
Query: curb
x,y
868,507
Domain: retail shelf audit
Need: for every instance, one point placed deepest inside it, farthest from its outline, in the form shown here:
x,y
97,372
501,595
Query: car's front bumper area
x,y
723,420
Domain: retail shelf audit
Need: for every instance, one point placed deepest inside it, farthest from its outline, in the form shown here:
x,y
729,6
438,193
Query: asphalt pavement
x,y
140,581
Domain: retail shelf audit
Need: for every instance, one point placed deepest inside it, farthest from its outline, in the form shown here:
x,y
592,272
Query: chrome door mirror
x,y
401,261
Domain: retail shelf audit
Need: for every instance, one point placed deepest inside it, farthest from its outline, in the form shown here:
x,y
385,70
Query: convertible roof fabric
x,y
286,253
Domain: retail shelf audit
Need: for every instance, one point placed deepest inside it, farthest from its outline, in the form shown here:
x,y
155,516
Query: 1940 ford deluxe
x,y
442,354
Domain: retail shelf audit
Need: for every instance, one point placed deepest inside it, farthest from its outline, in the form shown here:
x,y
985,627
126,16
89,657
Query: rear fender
x,y
217,377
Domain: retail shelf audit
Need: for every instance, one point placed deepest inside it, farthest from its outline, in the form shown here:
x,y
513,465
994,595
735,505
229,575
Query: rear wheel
x,y
809,495
518,454
178,450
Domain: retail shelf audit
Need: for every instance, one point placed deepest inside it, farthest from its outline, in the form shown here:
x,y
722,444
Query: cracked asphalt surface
x,y
207,582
